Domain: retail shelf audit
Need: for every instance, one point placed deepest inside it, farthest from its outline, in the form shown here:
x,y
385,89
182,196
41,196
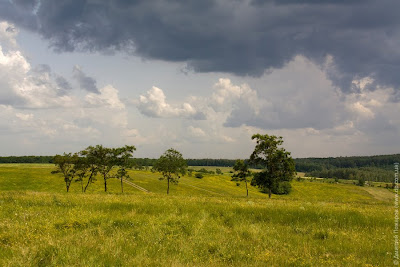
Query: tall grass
x,y
317,225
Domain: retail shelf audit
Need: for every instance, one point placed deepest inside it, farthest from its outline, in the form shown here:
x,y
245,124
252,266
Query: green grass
x,y
318,224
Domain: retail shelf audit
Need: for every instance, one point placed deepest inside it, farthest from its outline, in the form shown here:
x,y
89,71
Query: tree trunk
x,y
168,186
89,180
122,187
68,184
105,184
82,183
247,190
269,192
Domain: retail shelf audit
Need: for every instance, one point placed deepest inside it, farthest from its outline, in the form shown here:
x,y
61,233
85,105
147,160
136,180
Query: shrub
x,y
199,175
203,170
282,188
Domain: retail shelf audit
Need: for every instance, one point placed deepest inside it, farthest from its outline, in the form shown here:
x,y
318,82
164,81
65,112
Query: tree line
x,y
319,164
369,168
27,159
301,164
372,174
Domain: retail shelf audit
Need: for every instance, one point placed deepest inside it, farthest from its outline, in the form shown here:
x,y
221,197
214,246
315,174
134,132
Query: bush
x,y
198,175
282,188
203,170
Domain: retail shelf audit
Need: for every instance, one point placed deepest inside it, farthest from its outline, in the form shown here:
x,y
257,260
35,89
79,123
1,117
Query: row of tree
x,y
84,166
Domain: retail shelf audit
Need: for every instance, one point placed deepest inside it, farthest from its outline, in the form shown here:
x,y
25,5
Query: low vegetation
x,y
205,222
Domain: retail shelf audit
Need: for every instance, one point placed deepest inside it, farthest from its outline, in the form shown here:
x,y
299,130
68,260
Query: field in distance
x,y
203,222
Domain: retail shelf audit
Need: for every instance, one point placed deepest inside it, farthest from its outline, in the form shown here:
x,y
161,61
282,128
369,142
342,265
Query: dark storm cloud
x,y
19,12
85,82
27,4
240,37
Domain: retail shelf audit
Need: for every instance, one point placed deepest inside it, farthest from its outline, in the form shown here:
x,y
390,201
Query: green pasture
x,y
203,222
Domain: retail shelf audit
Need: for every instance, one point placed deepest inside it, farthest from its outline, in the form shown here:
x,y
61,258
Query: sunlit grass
x,y
318,224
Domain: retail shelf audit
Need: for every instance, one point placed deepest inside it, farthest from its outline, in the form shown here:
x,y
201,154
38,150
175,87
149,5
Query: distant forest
x,y
371,168
138,161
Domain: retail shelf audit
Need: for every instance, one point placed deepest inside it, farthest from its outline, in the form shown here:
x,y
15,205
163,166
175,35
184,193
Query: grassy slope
x,y
318,224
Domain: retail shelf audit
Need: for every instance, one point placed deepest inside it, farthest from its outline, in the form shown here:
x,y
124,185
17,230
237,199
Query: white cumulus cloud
x,y
107,97
227,94
153,104
24,86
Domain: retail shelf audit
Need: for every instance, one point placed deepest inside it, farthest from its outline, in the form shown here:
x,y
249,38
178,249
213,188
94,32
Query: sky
x,y
200,76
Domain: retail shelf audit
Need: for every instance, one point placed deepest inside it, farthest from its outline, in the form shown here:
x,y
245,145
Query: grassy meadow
x,y
203,222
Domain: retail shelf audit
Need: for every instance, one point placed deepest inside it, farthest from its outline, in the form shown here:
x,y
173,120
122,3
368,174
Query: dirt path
x,y
135,186
202,189
380,193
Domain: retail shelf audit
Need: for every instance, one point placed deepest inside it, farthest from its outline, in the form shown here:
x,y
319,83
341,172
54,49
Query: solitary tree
x,y
171,164
242,173
278,165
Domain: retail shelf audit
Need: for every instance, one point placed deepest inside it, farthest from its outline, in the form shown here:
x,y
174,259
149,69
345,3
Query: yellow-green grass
x,y
318,224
